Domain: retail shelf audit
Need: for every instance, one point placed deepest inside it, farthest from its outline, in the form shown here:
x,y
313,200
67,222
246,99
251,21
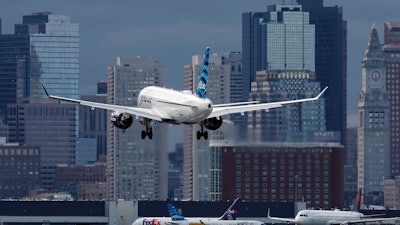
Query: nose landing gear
x,y
202,133
148,131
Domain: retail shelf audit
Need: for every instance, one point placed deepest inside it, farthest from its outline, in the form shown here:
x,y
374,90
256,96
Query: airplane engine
x,y
121,120
213,123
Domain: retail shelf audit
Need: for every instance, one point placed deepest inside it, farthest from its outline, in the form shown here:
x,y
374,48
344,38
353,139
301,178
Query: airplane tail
x,y
174,213
357,203
232,211
202,86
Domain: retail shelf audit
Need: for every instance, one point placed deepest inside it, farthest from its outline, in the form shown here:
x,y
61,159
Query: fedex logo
x,y
151,222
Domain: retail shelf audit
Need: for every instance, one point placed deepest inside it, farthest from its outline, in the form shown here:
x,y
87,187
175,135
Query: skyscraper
x,y
137,169
49,125
374,125
44,49
330,60
280,39
289,123
223,87
54,54
391,52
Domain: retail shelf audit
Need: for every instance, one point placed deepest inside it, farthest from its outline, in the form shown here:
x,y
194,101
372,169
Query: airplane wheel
x,y
150,133
205,135
143,134
198,135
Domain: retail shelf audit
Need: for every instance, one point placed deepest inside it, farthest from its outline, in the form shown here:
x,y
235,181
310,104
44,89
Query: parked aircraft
x,y
331,217
178,107
176,218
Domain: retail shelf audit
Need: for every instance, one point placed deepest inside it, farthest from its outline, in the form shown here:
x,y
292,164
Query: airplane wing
x,y
370,220
140,112
230,109
286,220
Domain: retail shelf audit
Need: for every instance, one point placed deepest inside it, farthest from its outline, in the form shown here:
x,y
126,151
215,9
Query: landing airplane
x,y
228,218
333,217
179,107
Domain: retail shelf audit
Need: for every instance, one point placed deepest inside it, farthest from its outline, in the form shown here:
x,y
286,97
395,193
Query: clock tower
x,y
374,127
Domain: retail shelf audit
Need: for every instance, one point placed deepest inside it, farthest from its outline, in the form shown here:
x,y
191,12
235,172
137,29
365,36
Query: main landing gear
x,y
202,133
149,131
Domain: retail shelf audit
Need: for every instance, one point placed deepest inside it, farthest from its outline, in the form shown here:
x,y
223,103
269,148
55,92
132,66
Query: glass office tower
x,y
54,54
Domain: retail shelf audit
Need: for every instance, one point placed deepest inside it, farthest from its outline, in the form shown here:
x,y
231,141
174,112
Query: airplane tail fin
x,y
232,211
174,213
357,203
202,86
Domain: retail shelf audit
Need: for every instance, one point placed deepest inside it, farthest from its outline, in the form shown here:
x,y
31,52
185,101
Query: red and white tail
x,y
357,203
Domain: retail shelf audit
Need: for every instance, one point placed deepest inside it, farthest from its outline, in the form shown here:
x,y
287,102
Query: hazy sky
x,y
174,30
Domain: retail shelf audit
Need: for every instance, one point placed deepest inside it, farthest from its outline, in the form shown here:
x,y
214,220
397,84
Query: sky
x,y
174,30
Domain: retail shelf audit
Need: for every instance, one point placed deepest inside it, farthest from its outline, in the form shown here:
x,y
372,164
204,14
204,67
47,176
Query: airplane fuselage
x,y
176,107
325,217
192,221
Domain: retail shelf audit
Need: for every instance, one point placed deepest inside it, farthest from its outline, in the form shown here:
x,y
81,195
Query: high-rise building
x,y
374,120
289,123
391,52
44,49
93,123
53,58
48,124
137,168
350,166
280,39
223,86
329,49
330,60
14,58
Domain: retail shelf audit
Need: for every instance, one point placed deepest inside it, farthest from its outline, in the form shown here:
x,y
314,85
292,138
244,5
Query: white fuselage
x,y
325,217
193,221
175,107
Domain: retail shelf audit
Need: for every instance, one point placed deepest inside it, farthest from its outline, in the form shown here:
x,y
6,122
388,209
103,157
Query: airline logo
x,y
202,86
151,222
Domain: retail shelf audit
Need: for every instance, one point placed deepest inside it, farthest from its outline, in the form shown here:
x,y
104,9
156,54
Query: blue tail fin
x,y
232,211
174,213
202,86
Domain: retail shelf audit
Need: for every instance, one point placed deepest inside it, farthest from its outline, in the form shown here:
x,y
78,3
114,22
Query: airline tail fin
x,y
174,213
232,211
357,203
202,86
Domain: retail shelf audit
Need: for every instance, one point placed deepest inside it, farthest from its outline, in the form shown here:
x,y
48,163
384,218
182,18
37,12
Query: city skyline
x,y
186,32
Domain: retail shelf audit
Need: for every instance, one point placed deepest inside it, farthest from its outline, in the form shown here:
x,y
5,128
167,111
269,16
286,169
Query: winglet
x,y
232,211
202,86
322,92
45,91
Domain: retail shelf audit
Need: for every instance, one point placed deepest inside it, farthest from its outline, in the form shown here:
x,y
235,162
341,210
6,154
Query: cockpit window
x,y
304,215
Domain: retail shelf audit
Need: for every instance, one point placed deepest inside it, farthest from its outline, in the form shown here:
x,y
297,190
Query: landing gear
x,y
149,131
202,133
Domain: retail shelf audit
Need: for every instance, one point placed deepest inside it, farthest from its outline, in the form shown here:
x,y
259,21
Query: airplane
x,y
228,218
178,107
333,217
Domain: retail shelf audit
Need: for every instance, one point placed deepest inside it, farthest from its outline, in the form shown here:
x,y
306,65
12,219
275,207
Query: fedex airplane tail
x,y
232,211
202,86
